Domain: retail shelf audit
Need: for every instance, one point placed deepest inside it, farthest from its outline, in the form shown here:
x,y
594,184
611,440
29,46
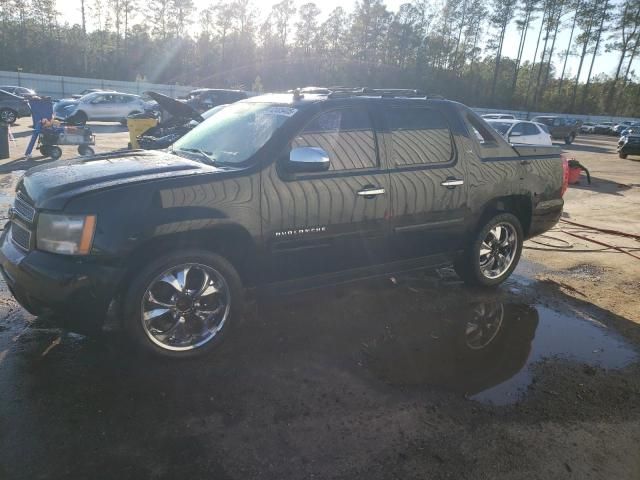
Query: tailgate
x,y
537,150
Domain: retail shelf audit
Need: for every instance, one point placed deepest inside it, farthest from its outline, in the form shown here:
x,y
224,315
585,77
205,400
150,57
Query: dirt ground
x,y
411,377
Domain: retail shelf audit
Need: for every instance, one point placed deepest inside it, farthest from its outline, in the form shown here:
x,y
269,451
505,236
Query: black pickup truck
x,y
281,192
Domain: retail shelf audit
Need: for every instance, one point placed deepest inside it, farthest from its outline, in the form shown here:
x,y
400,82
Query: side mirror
x,y
308,159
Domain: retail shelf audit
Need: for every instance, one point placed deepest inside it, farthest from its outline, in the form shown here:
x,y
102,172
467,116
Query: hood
x,y
175,107
50,186
65,102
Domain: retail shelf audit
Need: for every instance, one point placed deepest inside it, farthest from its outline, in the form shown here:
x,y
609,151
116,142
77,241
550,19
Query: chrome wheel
x,y
498,250
185,307
483,328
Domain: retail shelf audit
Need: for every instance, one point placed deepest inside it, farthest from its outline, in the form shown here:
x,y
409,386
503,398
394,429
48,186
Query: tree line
x,y
455,49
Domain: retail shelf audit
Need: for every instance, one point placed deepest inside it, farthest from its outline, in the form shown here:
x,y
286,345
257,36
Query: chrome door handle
x,y
371,192
452,182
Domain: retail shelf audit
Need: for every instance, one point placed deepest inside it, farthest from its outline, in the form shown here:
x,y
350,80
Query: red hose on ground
x,y
602,243
603,230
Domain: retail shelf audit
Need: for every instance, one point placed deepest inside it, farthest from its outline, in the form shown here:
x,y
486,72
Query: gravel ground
x,y
410,377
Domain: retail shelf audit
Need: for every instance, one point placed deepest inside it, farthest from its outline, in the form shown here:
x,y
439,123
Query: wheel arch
x,y
519,205
230,240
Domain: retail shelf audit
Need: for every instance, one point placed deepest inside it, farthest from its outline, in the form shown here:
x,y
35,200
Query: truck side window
x,y
345,134
420,136
480,131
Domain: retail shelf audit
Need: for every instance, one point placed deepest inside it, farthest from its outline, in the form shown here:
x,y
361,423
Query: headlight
x,y
66,234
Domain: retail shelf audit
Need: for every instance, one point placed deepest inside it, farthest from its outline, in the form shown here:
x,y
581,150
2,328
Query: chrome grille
x,y
23,209
20,236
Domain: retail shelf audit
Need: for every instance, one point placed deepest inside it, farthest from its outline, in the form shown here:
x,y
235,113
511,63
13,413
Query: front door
x,y
428,191
331,221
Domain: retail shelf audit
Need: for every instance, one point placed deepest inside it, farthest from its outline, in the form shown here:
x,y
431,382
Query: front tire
x,y
622,155
181,305
85,150
8,116
55,152
493,253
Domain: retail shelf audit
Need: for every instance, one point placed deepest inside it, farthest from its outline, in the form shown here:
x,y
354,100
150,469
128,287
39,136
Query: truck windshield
x,y
234,134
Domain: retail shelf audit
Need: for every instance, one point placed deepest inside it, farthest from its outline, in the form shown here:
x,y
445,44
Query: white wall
x,y
61,87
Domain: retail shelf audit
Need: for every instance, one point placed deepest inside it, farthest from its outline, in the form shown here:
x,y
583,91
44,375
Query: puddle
x,y
486,349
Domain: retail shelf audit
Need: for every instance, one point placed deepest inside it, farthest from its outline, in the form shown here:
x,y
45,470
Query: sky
x,y
605,62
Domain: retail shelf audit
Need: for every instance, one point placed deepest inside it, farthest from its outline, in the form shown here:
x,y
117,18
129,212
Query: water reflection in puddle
x,y
485,350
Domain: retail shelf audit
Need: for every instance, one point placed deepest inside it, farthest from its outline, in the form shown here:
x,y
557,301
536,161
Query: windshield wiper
x,y
209,158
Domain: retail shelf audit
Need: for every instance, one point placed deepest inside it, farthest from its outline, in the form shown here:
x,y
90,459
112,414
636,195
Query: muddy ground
x,y
412,377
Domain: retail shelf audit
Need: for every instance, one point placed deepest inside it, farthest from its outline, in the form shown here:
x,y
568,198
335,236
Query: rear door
x,y
331,221
428,191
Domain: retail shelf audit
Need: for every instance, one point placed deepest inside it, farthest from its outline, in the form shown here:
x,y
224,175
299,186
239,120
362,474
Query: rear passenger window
x,y
345,134
530,129
420,136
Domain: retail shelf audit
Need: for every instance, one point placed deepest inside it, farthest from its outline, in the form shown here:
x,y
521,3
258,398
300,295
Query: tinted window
x,y
530,129
545,120
420,136
518,128
346,135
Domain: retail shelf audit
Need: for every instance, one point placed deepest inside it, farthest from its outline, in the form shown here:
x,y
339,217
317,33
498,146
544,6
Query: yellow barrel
x,y
137,126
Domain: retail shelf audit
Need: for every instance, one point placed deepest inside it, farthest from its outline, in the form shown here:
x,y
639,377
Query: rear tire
x,y
493,252
569,138
181,331
622,155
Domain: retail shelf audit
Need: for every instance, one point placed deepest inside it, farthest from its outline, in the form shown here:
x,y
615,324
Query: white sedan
x,y
523,132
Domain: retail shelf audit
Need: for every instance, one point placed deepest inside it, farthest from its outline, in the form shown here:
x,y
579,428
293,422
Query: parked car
x,y
175,120
204,99
629,145
13,107
498,116
178,119
561,128
277,192
587,127
630,130
100,106
619,127
86,92
603,128
19,91
518,131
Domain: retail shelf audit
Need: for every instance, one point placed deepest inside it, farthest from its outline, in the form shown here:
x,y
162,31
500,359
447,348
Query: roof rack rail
x,y
344,92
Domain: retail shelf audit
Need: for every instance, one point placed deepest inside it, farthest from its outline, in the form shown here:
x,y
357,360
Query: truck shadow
x,y
322,362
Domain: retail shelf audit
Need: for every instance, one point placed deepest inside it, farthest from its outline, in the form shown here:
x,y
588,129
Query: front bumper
x,y
77,291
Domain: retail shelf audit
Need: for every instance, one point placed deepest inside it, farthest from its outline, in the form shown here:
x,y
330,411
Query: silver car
x,y
99,106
